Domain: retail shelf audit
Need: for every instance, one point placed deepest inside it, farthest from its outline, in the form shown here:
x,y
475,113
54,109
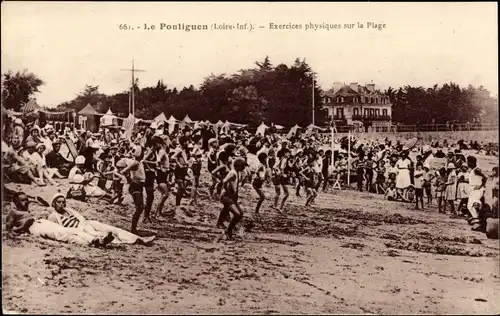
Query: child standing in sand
x,y
463,189
427,184
440,188
451,187
419,183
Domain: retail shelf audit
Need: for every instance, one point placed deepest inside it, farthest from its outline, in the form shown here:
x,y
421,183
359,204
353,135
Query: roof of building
x,y
347,91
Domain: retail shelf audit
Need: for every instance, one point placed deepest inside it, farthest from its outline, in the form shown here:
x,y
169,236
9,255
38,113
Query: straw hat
x,y
80,160
40,145
18,121
55,197
30,144
451,165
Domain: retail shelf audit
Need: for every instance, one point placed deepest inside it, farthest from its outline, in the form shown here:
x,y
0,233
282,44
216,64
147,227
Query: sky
x,y
69,45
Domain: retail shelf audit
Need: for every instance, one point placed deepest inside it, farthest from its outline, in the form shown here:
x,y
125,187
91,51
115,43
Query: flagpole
x,y
333,152
133,88
313,98
349,160
131,99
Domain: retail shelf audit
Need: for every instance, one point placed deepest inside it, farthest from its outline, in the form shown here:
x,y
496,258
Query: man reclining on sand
x,y
70,218
19,220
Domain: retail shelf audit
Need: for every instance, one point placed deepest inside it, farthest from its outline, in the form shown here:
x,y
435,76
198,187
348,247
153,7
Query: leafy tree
x,y
18,88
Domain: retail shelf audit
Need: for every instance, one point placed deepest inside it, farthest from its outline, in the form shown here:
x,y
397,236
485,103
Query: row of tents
x,y
110,119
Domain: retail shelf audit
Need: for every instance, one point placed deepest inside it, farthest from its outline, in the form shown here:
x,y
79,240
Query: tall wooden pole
x,y
131,105
313,99
349,160
333,151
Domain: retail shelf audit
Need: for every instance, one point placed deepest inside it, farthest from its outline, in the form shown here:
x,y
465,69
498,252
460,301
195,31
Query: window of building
x,y
356,112
365,113
340,112
384,112
377,112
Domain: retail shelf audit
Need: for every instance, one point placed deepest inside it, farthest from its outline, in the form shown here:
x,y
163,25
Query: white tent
x,y
171,124
109,119
293,131
160,118
261,130
187,119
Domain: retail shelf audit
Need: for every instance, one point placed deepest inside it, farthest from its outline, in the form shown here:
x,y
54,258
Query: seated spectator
x,y
82,181
44,137
34,135
18,128
56,160
16,168
19,220
37,164
68,217
40,151
391,192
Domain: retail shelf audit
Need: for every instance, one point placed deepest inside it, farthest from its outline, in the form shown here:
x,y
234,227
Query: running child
x,y
229,195
258,181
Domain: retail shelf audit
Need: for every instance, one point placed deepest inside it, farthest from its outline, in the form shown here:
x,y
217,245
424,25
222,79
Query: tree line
x,y
265,93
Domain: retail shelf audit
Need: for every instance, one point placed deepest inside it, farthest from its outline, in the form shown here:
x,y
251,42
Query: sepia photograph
x,y
255,158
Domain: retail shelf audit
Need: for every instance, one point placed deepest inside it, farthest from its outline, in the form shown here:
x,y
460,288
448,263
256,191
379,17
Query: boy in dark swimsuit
x,y
229,195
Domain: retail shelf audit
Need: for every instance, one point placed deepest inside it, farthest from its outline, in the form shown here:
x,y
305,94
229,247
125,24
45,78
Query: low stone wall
x,y
427,137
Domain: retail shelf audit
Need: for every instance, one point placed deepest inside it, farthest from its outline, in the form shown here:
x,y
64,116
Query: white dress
x,y
403,176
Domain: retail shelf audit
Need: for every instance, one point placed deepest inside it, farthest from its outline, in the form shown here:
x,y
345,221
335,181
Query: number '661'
x,y
124,27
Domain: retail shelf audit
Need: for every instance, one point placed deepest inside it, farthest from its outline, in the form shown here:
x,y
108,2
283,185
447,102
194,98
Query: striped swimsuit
x,y
70,221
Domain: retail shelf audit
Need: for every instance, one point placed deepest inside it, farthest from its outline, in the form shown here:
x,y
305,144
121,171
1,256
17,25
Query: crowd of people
x,y
153,162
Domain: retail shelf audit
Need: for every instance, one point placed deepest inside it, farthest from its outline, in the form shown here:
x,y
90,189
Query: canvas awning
x,y
31,106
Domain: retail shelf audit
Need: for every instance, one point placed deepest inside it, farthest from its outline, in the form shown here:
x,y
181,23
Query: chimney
x,y
354,86
370,87
336,86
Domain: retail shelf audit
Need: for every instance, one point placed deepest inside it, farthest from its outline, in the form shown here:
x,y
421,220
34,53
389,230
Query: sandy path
x,y
351,253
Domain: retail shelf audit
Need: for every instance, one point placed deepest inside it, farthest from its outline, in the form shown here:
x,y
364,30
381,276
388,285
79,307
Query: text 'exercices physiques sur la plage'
x,y
247,26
